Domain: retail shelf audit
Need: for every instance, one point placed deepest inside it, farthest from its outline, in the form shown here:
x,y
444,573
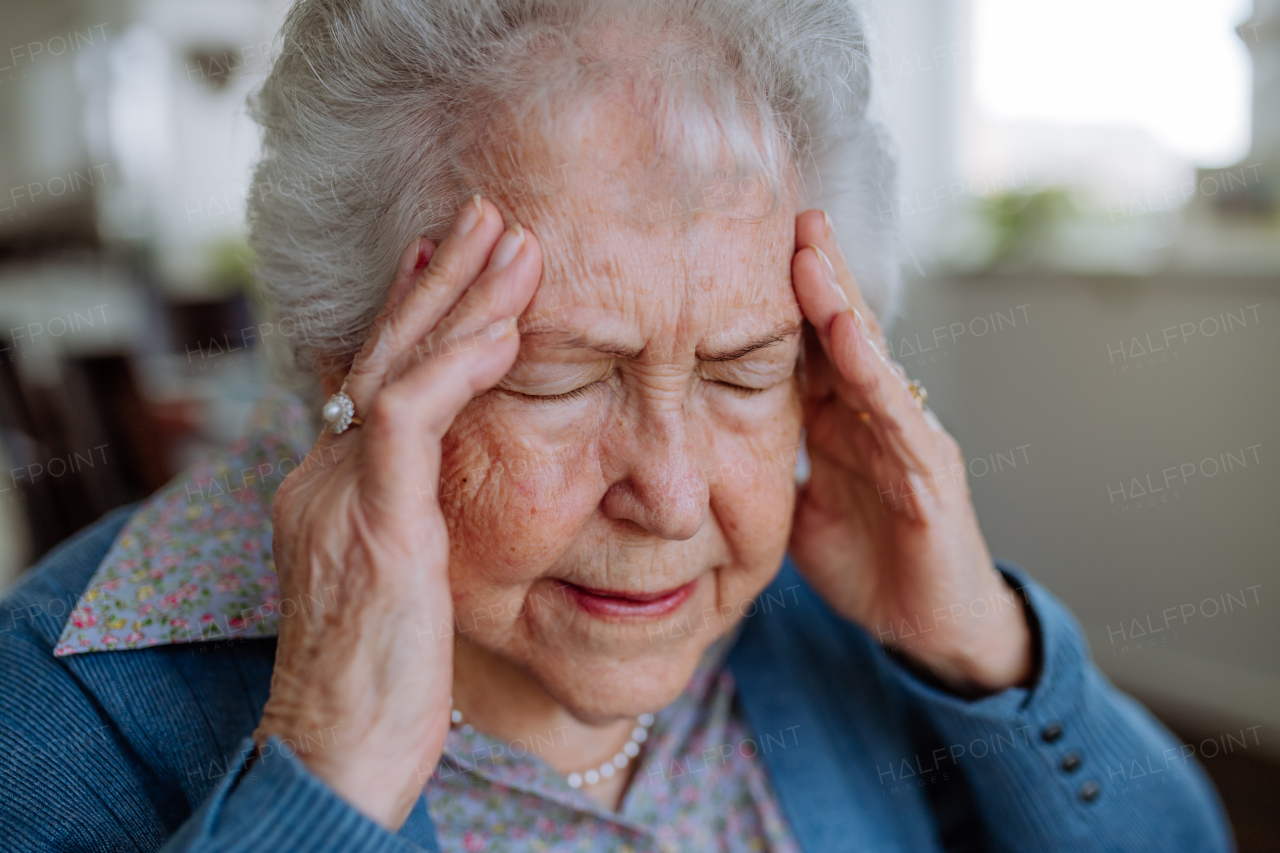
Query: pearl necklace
x,y
606,770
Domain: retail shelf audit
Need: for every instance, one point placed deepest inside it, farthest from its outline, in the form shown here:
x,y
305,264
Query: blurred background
x,y
1090,209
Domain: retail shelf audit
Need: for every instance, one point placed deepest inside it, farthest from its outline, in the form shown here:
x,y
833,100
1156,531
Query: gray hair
x,y
373,114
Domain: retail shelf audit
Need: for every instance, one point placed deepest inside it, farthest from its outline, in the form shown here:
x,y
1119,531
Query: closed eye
x,y
552,398
740,390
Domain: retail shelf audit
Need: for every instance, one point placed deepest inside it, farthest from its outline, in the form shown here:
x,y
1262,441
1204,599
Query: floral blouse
x,y
194,564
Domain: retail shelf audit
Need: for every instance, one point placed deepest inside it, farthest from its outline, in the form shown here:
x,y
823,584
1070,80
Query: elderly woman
x,y
562,272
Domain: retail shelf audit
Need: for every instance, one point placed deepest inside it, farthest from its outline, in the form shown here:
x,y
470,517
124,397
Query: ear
x,y
332,373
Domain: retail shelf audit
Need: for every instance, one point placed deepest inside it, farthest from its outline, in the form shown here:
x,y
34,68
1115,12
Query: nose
x,y
663,489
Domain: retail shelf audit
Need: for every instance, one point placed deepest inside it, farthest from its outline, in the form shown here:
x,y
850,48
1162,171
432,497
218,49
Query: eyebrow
x,y
579,340
776,335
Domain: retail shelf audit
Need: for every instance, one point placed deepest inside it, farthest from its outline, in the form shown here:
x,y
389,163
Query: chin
x,y
597,690
605,653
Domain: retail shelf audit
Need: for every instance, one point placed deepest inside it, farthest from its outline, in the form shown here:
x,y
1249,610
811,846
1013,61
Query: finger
x,y
410,416
451,269
413,260
813,228
820,296
866,382
850,365
815,280
503,289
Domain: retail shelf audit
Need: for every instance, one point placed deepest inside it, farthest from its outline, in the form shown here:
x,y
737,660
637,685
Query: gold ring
x,y
917,391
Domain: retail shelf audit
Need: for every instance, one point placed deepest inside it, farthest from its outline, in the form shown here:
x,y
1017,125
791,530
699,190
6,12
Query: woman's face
x,y
618,501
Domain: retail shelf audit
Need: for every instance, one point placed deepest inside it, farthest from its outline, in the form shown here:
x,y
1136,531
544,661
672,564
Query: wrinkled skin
x,y
639,435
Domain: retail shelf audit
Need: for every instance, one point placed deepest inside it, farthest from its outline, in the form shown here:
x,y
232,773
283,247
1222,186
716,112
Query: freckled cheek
x,y
522,504
753,484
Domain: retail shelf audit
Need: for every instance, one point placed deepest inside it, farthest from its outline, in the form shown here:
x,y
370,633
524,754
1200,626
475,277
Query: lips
x,y
615,604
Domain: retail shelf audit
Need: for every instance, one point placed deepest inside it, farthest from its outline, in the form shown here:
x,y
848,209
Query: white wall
x,y
1056,382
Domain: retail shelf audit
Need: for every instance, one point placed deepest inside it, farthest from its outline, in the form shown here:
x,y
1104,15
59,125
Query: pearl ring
x,y
339,414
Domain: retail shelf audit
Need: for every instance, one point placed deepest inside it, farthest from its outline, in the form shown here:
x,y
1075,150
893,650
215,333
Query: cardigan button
x,y
1051,732
1071,762
1089,791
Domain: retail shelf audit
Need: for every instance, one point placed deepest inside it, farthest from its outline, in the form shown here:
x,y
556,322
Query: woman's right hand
x,y
360,543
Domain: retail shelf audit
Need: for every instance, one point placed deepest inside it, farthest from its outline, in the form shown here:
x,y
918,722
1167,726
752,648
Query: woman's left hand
x,y
884,528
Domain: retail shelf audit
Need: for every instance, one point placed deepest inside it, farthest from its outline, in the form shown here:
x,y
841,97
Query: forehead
x,y
668,261
715,258
681,282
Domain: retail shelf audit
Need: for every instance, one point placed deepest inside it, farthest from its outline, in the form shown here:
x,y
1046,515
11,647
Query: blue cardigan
x,y
146,749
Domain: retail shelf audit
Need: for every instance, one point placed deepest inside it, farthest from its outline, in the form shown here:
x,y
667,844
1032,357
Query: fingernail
x,y
508,247
857,318
826,221
409,260
831,276
468,217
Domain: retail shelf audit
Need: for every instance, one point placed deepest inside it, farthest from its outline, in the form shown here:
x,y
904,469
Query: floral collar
x,y
194,562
